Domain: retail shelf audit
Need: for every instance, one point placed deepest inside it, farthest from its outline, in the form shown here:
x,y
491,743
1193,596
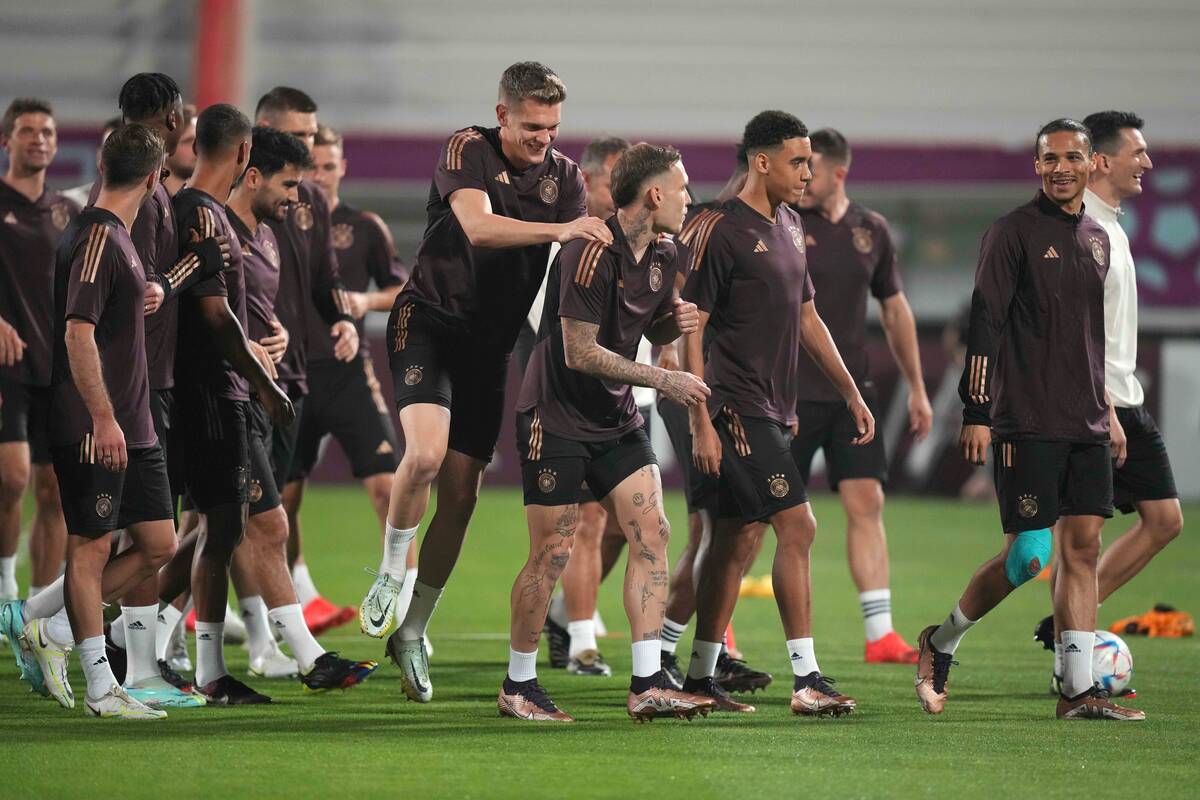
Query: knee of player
x,y
801,528
47,498
559,557
159,550
422,466
14,479
1165,525
866,504
1027,555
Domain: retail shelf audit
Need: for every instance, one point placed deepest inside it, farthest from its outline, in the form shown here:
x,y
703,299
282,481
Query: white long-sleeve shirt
x,y
1120,308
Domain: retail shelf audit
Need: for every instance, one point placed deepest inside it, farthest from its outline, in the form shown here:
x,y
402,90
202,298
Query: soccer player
x,y
310,285
267,598
850,252
32,218
578,422
217,369
750,279
344,397
499,197
1142,476
111,471
182,163
1033,388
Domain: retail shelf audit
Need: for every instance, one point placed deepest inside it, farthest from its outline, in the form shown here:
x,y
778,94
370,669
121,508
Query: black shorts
x,y
554,469
432,362
344,400
1146,473
96,501
263,492
830,427
699,490
1037,482
214,440
162,409
24,417
759,477
286,440
586,495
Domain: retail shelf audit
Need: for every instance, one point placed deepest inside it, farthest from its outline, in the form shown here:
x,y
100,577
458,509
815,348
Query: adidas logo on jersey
x,y
503,177
1051,253
10,218
760,247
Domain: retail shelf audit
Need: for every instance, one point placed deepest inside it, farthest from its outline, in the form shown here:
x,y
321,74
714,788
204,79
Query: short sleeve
x,y
671,263
93,274
462,164
572,200
585,275
885,280
712,269
810,291
383,265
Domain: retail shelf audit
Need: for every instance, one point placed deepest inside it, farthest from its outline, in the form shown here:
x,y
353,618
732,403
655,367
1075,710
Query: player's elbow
x,y
573,357
476,232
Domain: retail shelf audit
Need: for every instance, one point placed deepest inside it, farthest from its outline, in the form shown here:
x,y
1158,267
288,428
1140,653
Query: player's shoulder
x,y
869,217
470,140
97,239
562,164
60,203
700,222
1090,226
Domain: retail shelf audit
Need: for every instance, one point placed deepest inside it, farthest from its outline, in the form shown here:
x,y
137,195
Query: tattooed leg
x,y
636,504
551,536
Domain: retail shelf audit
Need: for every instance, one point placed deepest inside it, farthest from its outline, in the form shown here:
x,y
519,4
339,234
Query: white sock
x,y
96,668
116,630
33,591
404,599
289,621
1058,659
8,577
583,636
168,618
420,611
1077,661
877,613
306,590
671,631
946,638
646,658
704,658
558,610
48,602
140,630
58,628
210,652
395,550
803,656
259,640
521,666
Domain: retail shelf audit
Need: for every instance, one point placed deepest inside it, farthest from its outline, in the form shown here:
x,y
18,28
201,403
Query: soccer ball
x,y
1112,663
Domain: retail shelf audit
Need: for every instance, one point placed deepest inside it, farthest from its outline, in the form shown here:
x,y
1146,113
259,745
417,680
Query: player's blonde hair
x,y
529,80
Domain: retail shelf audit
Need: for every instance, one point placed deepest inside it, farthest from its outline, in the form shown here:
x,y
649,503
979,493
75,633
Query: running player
x,y
499,197
577,421
344,396
750,278
1033,388
32,218
1142,476
850,251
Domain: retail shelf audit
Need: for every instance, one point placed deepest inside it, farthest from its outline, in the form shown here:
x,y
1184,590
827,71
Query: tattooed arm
x,y
586,355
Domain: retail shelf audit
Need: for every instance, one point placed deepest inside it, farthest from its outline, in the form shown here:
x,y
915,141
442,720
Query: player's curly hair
x,y
529,80
769,129
1061,125
146,95
636,166
1106,127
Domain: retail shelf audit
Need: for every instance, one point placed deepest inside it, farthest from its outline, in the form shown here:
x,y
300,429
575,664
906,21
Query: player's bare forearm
x,y
383,299
225,326
473,210
584,354
900,328
815,338
84,359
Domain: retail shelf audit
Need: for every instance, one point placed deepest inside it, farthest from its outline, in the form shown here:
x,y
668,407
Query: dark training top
x,y
481,290
845,259
604,285
99,279
201,362
260,265
29,232
1035,347
365,253
750,275
309,281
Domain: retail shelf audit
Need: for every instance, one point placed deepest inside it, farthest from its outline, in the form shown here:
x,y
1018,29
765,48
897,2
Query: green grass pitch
x,y
998,736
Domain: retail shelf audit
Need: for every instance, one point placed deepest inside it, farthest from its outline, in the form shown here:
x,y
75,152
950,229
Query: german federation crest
x,y
304,217
548,191
1097,250
343,236
797,237
863,240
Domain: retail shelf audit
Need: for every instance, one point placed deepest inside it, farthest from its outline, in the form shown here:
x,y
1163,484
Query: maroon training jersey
x,y
482,290
201,360
99,279
603,285
309,280
750,274
260,265
845,259
365,253
1035,346
29,232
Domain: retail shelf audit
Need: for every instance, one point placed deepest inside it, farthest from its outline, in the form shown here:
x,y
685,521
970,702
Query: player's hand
x,y
359,304
668,358
264,359
214,252
591,228
683,388
864,421
345,340
975,440
110,444
277,343
12,346
153,298
920,415
687,316
1116,434
706,445
277,405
